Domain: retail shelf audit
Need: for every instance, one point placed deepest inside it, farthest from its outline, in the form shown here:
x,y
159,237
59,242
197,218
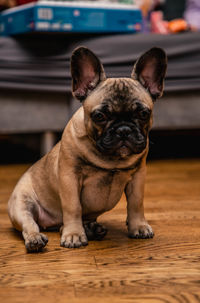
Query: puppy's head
x,y
118,111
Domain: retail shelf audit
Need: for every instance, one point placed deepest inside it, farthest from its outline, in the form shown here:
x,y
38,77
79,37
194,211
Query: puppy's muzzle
x,y
133,140
122,140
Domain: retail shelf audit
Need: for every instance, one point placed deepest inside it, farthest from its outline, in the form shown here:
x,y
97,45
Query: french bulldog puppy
x,y
102,154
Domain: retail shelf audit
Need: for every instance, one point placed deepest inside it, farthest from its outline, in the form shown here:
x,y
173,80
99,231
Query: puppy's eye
x,y
144,114
98,117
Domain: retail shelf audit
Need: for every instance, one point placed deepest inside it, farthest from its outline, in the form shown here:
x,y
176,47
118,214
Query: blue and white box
x,y
66,16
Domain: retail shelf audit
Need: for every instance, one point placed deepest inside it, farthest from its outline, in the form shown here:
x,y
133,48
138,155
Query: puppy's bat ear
x,y
87,72
150,70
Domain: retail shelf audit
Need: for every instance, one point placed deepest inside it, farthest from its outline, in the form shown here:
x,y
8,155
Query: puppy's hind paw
x,y
35,242
95,231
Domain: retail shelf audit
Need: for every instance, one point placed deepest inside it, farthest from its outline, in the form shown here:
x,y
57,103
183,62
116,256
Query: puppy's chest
x,y
102,189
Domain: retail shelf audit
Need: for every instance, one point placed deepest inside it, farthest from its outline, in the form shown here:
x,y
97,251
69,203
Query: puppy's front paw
x,y
35,242
73,239
141,231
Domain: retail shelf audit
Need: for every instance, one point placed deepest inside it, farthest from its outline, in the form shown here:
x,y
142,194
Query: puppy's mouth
x,y
122,149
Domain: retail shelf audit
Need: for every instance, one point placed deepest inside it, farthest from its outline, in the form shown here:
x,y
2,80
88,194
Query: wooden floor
x,y
163,269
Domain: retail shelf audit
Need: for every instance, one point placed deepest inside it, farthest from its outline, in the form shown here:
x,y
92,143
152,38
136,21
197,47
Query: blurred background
x,y
37,39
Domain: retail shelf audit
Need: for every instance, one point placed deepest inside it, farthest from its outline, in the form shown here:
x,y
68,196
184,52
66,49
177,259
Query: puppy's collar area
x,y
113,170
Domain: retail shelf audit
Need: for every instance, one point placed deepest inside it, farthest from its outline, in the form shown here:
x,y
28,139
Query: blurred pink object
x,y
158,25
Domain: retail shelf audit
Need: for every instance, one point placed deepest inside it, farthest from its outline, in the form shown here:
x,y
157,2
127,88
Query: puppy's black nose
x,y
123,131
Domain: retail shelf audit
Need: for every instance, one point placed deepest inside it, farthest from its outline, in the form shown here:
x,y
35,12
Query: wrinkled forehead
x,y
120,94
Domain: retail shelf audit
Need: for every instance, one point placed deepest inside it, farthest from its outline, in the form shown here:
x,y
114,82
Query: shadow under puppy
x,y
102,154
